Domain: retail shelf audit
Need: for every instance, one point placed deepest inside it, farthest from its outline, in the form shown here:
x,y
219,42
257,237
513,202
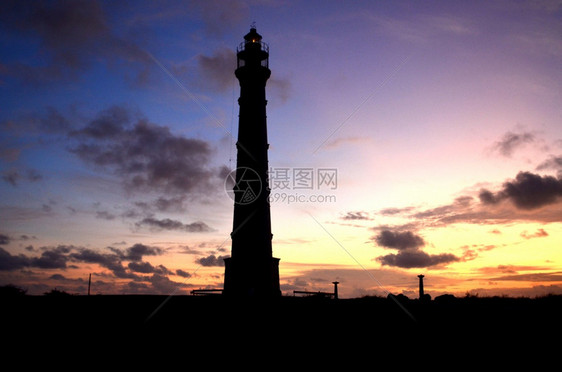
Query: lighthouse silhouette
x,y
251,270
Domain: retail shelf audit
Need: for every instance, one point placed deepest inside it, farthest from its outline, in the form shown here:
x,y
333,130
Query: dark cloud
x,y
53,122
9,262
512,141
488,197
51,258
71,36
147,156
218,69
138,251
528,191
211,260
554,162
163,284
359,215
122,264
111,262
410,255
183,274
280,88
416,258
532,277
109,124
104,215
147,268
219,16
174,204
395,211
4,239
15,176
217,74
399,240
169,224
540,233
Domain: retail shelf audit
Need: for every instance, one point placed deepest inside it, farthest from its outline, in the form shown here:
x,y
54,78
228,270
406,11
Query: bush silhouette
x,y
11,290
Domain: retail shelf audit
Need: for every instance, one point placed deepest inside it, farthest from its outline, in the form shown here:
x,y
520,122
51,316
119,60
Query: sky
x,y
406,138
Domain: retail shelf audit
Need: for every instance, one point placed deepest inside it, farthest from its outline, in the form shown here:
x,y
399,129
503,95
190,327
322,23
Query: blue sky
x,y
442,119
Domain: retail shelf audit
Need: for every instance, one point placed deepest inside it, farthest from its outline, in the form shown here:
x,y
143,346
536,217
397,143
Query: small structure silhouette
x,y
422,296
421,286
206,292
333,295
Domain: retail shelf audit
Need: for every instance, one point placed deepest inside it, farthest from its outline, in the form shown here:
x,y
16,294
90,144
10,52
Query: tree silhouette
x,y
11,290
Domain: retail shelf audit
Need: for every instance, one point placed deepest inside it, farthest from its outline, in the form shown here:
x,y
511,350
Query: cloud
x,y
540,233
219,16
104,215
71,36
163,284
395,211
399,240
147,268
512,141
532,197
217,74
14,176
111,262
147,156
554,162
109,123
280,88
138,251
532,277
211,260
169,224
122,264
183,274
359,215
4,239
415,258
410,255
218,69
8,262
528,191
338,142
53,258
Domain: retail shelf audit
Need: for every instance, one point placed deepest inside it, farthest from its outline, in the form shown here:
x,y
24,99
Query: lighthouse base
x,y
258,278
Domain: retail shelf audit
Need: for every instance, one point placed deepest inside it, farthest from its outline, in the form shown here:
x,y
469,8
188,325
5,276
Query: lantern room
x,y
252,51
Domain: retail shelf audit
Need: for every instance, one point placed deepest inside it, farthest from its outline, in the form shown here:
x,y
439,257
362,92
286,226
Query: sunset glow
x,y
405,138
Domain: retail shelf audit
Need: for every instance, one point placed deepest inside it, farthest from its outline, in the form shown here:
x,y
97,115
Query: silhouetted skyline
x,y
406,139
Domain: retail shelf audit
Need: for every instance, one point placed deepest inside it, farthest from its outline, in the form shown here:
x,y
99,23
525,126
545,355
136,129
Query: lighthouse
x,y
251,270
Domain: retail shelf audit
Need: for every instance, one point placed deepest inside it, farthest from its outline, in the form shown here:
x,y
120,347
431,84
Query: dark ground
x,y
134,328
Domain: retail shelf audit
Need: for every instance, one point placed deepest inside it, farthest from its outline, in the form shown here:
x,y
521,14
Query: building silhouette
x,y
421,293
251,270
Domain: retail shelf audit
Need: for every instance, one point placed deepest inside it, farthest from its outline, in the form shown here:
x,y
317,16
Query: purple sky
x,y
440,122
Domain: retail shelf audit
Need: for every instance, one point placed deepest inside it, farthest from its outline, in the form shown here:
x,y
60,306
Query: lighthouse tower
x,y
251,270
